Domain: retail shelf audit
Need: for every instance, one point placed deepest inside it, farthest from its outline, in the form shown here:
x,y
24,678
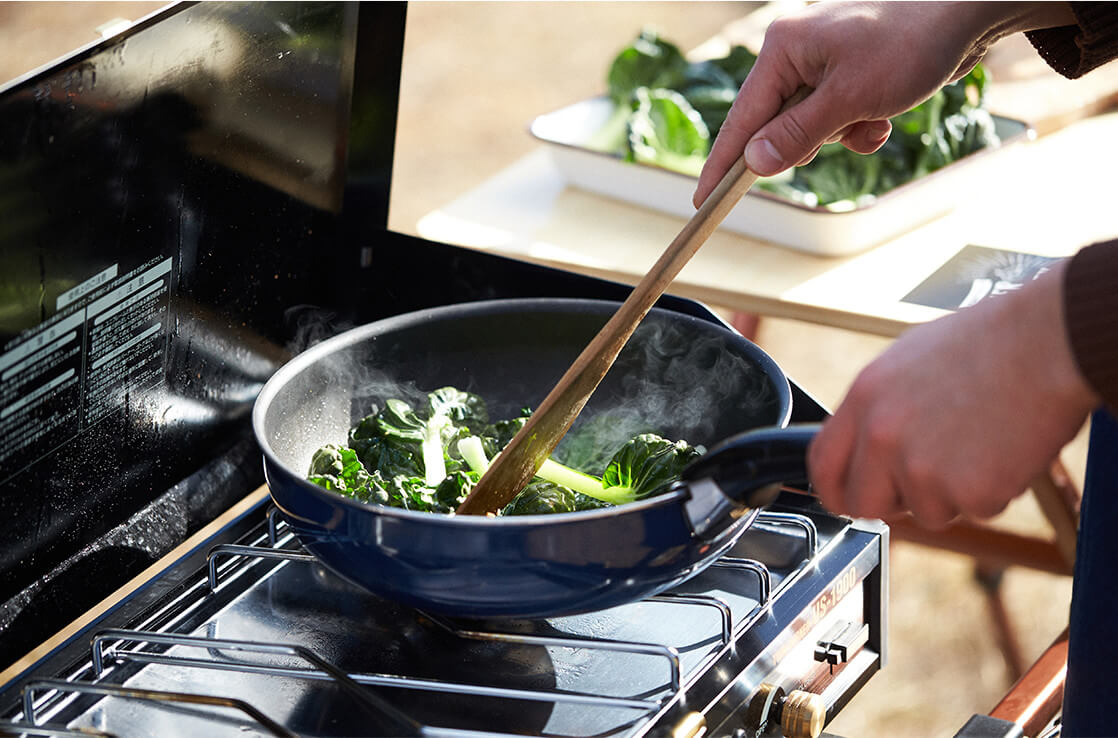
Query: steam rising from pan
x,y
311,325
681,377
667,380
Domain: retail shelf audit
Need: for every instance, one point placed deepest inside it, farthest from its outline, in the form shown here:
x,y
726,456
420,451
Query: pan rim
x,y
313,354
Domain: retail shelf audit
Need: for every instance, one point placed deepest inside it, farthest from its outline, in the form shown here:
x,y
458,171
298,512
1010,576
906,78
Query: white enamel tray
x,y
760,214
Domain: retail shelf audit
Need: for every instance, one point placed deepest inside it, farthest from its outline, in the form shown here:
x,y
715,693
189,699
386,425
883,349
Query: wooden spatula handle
x,y
514,468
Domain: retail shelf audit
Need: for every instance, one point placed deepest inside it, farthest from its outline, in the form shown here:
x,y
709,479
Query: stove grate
x,y
132,650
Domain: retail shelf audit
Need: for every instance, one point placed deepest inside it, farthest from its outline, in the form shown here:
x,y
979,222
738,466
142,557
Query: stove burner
x,y
263,639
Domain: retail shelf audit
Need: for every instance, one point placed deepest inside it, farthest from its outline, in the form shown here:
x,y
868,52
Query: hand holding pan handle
x,y
743,473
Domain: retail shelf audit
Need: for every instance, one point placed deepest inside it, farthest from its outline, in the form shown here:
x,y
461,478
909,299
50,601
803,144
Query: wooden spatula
x,y
514,467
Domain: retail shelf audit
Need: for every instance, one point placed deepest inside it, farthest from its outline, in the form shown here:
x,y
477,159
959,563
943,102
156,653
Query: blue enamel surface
x,y
527,566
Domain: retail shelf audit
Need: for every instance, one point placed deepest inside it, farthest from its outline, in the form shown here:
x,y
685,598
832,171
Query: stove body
x,y
183,207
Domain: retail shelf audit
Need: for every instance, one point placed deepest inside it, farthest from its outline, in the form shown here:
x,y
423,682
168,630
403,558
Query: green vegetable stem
x,y
645,466
428,459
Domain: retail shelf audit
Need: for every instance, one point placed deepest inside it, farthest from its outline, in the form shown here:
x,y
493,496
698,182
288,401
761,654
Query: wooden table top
x,y
1047,197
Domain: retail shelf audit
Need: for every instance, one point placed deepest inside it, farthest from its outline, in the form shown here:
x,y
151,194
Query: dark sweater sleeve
x,y
1075,50
1091,316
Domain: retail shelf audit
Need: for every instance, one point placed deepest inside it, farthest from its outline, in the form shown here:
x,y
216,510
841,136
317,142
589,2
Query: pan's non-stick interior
x,y
679,376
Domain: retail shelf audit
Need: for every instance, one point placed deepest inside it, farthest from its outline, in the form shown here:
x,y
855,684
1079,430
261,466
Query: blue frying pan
x,y
682,376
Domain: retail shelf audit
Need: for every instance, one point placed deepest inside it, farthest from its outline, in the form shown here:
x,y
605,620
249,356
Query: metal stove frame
x,y
743,648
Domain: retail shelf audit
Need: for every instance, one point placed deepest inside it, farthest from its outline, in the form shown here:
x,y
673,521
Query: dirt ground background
x,y
475,74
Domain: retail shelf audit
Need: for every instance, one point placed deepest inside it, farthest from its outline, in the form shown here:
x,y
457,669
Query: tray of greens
x,y
646,140
429,458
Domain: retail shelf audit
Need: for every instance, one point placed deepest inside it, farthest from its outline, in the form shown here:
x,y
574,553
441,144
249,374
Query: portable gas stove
x,y
262,640
184,206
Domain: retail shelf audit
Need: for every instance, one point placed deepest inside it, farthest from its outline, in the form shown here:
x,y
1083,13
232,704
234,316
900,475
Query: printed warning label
x,y
83,364
126,340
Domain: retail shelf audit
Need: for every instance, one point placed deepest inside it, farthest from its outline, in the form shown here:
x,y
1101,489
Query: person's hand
x,y
958,415
866,63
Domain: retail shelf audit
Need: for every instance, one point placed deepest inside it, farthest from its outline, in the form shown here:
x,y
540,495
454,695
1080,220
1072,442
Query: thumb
x,y
795,134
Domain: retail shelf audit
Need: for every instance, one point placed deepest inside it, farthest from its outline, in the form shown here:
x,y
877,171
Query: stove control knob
x,y
802,714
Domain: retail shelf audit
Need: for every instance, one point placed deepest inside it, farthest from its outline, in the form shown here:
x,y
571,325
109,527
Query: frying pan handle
x,y
745,472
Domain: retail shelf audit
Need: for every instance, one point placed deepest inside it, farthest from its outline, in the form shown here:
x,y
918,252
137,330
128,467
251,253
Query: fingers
x,y
757,102
867,136
827,463
824,47
869,461
968,63
848,473
794,135
922,493
851,474
807,159
792,138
